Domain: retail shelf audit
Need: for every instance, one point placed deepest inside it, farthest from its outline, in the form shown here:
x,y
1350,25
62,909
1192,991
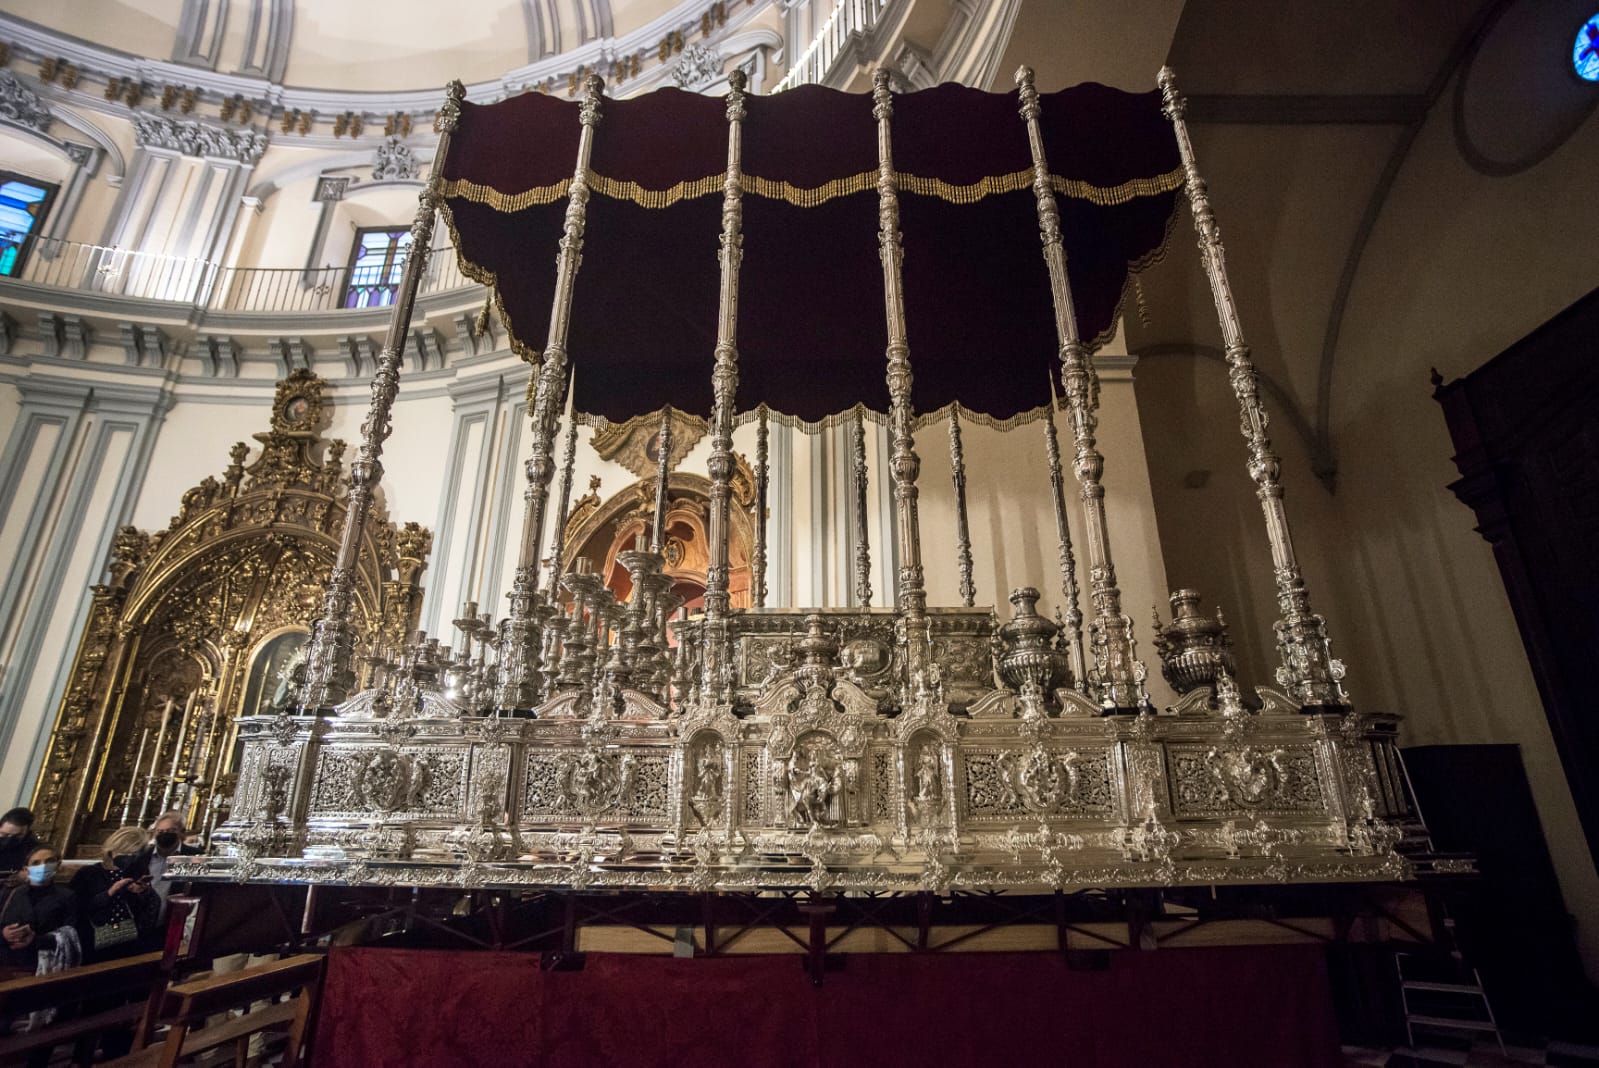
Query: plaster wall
x,y
1459,266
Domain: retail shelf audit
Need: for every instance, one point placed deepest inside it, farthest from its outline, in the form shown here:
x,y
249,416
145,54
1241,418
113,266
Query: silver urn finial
x,y
1193,649
1029,658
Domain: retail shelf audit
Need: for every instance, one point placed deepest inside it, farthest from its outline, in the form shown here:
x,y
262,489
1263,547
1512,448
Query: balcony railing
x,y
849,17
212,287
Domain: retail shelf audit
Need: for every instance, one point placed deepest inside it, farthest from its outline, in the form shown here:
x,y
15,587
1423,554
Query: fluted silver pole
x,y
762,477
329,665
724,387
520,638
663,471
963,531
1072,613
863,547
1118,674
1308,671
910,591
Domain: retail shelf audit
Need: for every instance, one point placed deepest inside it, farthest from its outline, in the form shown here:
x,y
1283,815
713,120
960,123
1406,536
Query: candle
x,y
183,730
133,776
155,754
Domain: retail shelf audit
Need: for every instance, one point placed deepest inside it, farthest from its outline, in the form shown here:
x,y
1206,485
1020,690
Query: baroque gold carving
x,y
189,607
635,444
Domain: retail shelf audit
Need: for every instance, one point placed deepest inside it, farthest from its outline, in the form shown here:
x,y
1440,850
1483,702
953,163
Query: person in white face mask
x,y
34,908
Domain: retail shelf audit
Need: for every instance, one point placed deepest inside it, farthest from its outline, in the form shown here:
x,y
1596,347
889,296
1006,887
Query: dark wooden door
x,y
1526,432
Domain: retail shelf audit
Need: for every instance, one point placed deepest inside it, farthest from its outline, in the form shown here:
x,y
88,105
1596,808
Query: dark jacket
x,y
96,905
14,852
44,908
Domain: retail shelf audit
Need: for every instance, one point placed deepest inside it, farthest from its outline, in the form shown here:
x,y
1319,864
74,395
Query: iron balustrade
x,y
59,264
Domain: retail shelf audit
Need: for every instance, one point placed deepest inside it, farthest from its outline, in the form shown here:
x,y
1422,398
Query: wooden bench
x,y
128,979
189,1005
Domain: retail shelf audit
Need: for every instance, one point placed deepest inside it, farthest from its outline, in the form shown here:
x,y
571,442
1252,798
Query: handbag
x,y
119,930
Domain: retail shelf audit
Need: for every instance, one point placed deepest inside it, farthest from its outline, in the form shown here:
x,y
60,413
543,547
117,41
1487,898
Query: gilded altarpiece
x,y
203,622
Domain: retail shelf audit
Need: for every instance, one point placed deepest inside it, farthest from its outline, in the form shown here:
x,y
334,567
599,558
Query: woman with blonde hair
x,y
117,910
34,906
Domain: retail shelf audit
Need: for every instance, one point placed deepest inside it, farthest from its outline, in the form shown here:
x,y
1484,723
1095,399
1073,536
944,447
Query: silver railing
x,y
212,287
849,17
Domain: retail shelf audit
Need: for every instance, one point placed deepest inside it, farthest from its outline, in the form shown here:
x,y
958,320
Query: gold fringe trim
x,y
485,277
773,189
846,418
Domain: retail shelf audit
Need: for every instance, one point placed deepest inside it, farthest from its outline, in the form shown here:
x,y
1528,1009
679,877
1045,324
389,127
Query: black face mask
x,y
168,840
123,861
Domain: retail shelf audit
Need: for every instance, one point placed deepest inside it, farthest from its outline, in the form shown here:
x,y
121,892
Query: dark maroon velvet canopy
x,y
811,331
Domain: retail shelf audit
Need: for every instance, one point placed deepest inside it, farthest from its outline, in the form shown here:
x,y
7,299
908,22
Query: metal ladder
x,y
1471,994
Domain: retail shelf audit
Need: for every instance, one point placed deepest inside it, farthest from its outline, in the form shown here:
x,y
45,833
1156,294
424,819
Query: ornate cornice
x,y
310,111
193,138
20,105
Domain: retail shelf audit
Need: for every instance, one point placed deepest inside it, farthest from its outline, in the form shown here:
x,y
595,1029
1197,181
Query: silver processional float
x,y
588,742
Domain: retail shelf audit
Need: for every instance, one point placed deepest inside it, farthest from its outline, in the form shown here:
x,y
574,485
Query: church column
x,y
458,530
69,477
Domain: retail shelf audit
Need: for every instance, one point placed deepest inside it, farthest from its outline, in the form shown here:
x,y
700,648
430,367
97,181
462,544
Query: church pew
x,y
189,1006
129,978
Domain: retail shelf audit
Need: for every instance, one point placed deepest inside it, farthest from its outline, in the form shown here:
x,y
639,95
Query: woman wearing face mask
x,y
35,907
117,910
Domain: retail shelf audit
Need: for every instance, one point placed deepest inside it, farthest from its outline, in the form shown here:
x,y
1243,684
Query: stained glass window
x,y
1585,54
23,205
376,264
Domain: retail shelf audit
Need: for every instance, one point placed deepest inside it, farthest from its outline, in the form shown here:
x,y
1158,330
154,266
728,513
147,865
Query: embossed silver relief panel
x,y
1023,783
753,776
1244,780
614,784
417,781
822,796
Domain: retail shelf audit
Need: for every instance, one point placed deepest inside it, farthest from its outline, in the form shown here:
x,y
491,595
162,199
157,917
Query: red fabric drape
x,y
1238,1007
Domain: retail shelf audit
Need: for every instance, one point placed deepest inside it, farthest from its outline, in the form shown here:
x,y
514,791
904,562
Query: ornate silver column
x,y
963,531
1308,671
329,668
863,546
520,639
1118,675
724,384
762,477
1072,615
911,593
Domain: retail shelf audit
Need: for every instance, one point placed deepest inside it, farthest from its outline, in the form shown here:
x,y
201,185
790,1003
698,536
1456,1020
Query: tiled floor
x,y
1434,1050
